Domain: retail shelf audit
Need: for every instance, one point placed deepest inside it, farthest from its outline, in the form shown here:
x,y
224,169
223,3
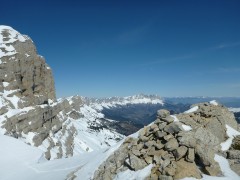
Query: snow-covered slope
x,y
20,161
99,104
234,110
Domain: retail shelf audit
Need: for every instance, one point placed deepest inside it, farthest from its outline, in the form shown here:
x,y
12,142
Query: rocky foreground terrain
x,y
199,143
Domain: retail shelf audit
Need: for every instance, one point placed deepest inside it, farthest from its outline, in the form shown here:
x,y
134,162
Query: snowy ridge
x,y
234,109
8,36
85,134
100,104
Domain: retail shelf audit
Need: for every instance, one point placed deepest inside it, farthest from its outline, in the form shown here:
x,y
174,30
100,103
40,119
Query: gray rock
x,y
190,155
162,113
180,152
233,154
171,145
165,177
187,139
162,125
172,128
160,134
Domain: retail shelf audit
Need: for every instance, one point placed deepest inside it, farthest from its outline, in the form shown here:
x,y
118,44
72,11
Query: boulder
x,y
171,145
186,169
162,113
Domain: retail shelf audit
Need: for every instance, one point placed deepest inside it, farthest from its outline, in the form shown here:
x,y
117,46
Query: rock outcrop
x,y
29,109
178,146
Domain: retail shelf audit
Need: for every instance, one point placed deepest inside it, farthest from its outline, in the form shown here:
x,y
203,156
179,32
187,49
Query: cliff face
x,y
29,109
23,72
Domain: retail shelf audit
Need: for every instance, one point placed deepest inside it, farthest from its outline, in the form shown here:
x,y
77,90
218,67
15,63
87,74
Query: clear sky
x,y
119,48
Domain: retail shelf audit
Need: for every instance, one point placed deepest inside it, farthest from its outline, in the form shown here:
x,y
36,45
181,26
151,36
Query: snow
x,y
214,102
231,134
234,109
21,161
5,43
185,127
134,175
27,55
193,109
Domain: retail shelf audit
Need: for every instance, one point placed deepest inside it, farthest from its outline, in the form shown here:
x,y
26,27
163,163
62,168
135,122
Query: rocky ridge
x,y
30,111
178,146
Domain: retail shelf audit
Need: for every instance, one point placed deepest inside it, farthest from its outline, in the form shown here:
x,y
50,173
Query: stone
x,y
170,171
187,139
213,170
206,154
148,159
171,145
159,145
136,163
136,152
180,152
233,154
206,137
172,128
168,137
162,125
168,119
236,143
190,155
186,169
162,113
160,134
149,144
236,168
165,177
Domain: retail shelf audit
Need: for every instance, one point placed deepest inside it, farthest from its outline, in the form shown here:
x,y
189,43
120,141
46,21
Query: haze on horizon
x,y
121,48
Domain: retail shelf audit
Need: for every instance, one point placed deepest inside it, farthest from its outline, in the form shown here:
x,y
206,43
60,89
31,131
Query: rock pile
x,y
176,145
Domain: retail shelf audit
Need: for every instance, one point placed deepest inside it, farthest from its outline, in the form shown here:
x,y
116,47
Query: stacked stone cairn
x,y
173,151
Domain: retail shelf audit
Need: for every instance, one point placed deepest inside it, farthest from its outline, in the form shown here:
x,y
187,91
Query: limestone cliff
x,y
30,111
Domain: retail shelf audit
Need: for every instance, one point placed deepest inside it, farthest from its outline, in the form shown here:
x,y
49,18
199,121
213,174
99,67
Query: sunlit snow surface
x,y
214,102
185,127
231,134
193,109
21,161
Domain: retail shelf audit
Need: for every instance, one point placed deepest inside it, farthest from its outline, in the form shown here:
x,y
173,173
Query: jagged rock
x,y
186,169
213,170
206,137
136,163
168,137
236,143
162,113
160,134
233,154
171,145
172,128
162,125
187,139
180,152
168,119
206,154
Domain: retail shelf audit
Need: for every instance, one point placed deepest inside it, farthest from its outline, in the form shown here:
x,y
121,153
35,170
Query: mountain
x,y
173,147
29,109
42,137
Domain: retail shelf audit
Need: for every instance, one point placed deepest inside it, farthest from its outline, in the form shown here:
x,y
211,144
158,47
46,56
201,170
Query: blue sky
x,y
120,48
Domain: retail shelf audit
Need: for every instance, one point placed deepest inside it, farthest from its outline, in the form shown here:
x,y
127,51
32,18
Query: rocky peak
x,y
23,73
179,146
29,110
